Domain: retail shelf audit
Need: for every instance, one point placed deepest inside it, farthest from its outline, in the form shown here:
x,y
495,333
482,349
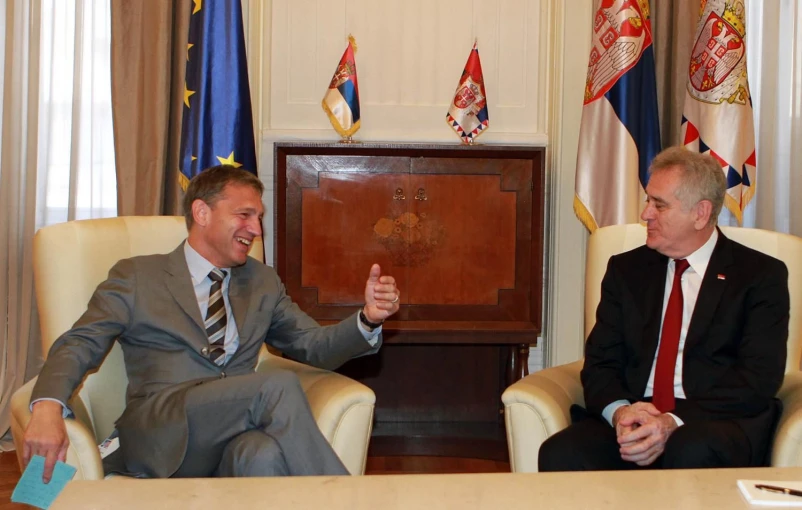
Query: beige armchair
x,y
536,407
71,259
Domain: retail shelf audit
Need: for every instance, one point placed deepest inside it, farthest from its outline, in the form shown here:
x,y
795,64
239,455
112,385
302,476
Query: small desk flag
x,y
468,114
341,102
217,125
717,118
619,135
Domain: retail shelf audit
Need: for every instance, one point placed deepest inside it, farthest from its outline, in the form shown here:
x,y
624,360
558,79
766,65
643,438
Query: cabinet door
x,y
473,230
335,206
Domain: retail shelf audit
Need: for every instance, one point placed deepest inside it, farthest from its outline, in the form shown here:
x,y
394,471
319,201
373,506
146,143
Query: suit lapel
x,y
711,292
239,297
652,285
179,283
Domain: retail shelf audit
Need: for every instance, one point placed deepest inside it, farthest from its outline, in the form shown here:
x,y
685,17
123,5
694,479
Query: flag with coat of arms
x,y
619,134
717,117
468,114
341,101
217,123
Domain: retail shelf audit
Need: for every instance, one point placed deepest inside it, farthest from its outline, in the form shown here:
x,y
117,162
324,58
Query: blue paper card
x,y
33,491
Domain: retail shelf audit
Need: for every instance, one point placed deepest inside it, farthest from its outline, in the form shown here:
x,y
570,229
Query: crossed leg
x,y
257,424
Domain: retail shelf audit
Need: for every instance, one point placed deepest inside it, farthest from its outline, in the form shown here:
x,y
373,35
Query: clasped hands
x,y
642,432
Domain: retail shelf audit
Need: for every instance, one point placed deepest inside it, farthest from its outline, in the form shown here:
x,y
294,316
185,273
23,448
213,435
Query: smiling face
x,y
223,231
672,228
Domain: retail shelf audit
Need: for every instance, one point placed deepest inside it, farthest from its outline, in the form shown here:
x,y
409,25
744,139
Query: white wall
x,y
410,56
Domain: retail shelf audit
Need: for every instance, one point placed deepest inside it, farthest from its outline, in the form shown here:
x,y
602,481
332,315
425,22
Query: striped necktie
x,y
215,322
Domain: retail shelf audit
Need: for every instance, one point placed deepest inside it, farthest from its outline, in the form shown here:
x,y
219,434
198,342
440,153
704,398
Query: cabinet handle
x,y
399,194
421,195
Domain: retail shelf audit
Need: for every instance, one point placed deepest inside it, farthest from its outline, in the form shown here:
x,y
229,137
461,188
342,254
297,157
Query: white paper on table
x,y
755,496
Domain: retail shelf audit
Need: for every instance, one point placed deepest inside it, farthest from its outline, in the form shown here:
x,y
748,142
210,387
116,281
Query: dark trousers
x,y
589,444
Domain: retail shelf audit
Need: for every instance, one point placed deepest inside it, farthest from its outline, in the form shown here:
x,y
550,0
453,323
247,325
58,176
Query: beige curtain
x,y
148,61
18,157
674,25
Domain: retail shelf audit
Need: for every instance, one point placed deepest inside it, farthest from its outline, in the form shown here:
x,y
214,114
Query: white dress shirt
x,y
691,282
199,269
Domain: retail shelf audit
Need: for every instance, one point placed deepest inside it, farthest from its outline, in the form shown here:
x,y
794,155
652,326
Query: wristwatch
x,y
366,322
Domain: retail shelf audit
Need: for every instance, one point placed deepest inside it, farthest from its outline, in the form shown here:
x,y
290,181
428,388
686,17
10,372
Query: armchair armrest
x,y
535,408
786,450
82,453
342,407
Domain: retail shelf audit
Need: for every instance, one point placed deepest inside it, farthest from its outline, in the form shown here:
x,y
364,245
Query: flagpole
x,y
472,141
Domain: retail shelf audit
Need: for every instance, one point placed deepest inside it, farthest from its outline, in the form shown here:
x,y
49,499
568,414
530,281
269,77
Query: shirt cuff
x,y
611,408
65,411
677,420
372,337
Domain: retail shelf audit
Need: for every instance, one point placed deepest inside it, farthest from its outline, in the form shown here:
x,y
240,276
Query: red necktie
x,y
663,396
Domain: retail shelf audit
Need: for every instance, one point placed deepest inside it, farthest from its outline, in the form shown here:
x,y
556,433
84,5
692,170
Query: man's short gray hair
x,y
701,178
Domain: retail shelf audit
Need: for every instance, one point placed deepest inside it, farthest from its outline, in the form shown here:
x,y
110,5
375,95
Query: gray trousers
x,y
258,424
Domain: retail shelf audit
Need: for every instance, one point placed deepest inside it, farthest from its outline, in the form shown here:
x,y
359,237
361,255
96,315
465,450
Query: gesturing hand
x,y
382,298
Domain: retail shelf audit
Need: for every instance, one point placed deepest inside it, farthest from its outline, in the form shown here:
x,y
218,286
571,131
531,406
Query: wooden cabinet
x,y
461,230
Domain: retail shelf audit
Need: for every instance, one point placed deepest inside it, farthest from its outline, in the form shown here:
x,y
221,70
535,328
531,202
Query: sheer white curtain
x,y
774,62
56,151
76,175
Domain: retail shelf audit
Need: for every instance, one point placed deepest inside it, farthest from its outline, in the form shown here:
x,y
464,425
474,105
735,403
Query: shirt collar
x,y
700,259
199,267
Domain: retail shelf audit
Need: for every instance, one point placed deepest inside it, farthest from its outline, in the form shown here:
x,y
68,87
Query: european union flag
x,y
217,126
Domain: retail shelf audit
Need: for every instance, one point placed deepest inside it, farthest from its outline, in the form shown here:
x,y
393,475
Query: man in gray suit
x,y
191,324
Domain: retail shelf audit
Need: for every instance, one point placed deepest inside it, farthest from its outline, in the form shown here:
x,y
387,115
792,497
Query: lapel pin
x,y
721,276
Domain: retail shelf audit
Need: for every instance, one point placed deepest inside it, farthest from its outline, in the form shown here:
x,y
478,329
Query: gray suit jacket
x,y
148,304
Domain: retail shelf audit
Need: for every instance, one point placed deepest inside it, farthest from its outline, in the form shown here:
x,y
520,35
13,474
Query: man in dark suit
x,y
191,324
688,351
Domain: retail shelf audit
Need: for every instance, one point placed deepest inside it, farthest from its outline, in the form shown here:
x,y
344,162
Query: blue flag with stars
x,y
217,124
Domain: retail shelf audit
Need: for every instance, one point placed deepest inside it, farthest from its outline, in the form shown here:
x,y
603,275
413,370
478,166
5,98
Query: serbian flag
x,y
619,135
467,114
217,124
341,102
717,117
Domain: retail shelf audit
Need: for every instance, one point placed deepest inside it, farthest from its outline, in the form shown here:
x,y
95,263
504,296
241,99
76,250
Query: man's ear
x,y
200,212
704,209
